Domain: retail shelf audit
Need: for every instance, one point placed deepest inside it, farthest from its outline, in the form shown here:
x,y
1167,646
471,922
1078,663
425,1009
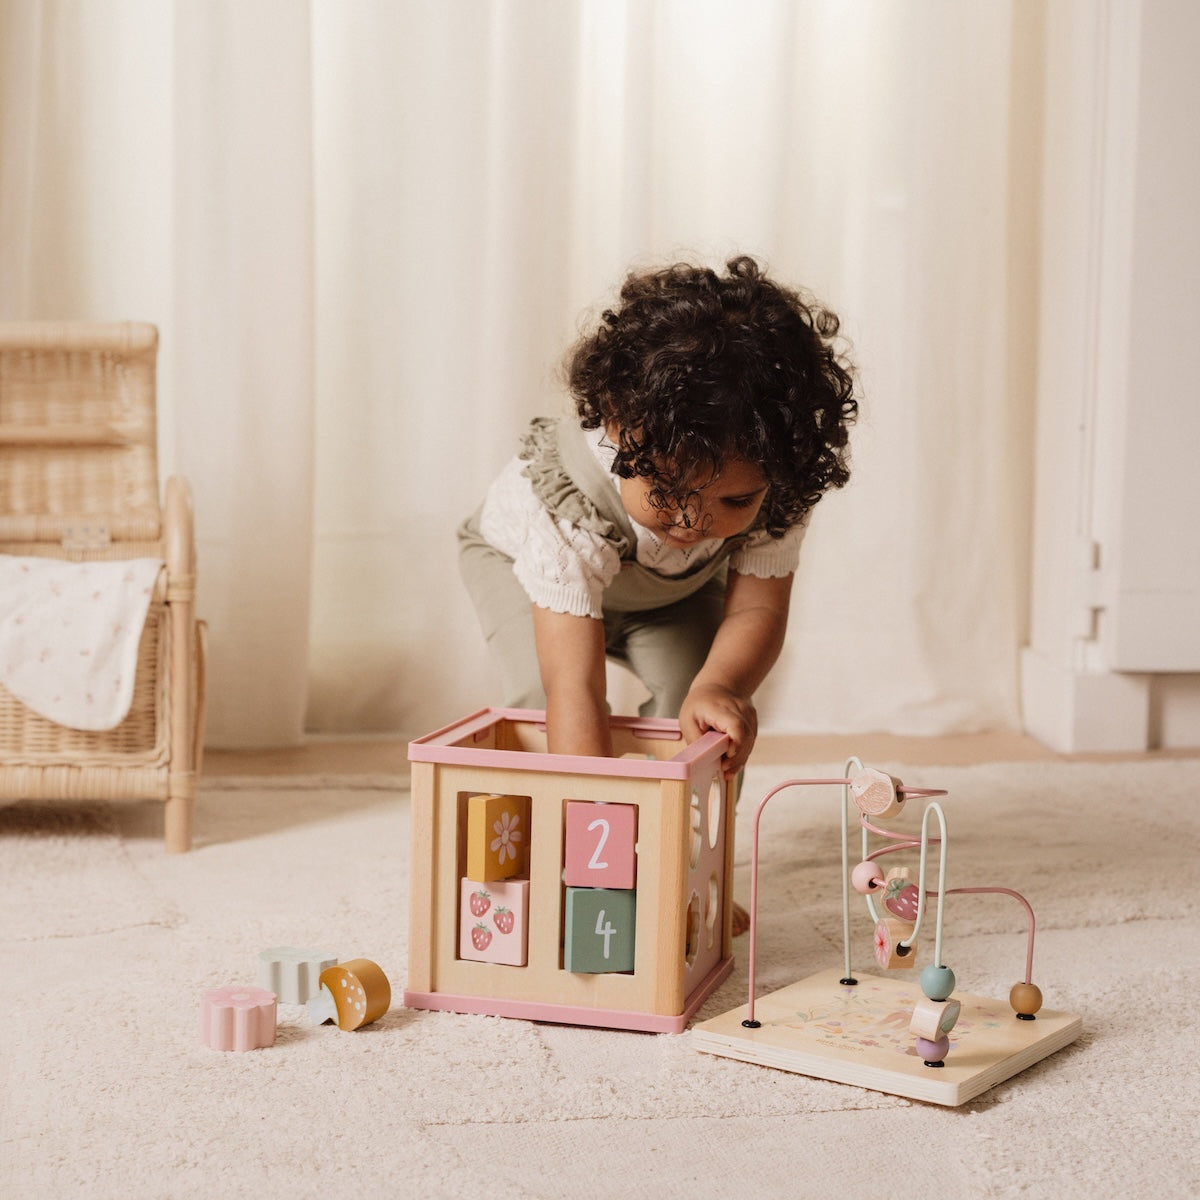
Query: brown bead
x,y
1025,998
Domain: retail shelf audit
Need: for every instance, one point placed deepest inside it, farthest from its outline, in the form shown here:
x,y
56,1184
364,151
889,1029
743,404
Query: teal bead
x,y
937,982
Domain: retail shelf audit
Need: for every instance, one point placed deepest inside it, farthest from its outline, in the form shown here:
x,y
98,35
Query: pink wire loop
x,y
895,837
787,783
976,891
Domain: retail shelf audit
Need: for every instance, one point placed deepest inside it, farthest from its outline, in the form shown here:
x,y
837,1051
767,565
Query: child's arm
x,y
570,653
747,644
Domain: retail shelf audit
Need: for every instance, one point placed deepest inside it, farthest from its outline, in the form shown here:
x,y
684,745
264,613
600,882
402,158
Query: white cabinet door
x,y
1156,593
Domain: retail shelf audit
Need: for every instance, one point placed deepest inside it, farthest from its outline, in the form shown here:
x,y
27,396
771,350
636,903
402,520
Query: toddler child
x,y
660,523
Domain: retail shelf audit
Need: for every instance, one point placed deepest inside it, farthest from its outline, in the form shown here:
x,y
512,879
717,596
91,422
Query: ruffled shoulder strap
x,y
571,484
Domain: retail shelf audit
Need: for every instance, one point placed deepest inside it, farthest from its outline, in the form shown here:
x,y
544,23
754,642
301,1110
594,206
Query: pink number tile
x,y
601,845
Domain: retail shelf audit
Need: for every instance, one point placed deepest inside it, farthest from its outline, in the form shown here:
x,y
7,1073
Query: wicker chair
x,y
79,480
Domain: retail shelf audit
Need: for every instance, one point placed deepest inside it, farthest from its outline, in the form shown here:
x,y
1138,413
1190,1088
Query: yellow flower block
x,y
497,837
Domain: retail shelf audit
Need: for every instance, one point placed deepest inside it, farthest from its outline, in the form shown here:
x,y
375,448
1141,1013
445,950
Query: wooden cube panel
x,y
598,937
497,837
493,922
601,845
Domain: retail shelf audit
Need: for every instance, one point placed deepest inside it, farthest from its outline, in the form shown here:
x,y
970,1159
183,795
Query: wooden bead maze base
x,y
859,1035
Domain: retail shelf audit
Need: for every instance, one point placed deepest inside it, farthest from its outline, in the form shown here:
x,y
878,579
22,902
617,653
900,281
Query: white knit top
x,y
566,569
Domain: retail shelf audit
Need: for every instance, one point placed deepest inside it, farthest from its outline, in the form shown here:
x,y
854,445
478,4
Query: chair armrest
x,y
180,539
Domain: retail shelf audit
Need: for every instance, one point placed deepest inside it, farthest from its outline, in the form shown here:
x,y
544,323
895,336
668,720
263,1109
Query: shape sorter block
x,y
683,831
353,994
600,930
601,847
292,973
497,837
237,1018
493,921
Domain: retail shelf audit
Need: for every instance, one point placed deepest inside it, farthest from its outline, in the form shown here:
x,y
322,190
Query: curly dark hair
x,y
694,368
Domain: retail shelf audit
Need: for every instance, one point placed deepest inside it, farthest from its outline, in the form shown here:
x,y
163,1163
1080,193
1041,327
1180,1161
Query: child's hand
x,y
710,706
747,643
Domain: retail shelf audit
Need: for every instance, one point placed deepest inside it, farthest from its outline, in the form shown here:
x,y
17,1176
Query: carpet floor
x,y
107,1091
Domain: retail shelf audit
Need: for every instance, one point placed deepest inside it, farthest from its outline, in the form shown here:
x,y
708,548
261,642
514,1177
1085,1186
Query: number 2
x,y
595,863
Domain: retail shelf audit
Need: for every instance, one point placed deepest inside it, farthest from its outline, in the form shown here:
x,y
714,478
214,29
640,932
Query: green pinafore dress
x,y
660,627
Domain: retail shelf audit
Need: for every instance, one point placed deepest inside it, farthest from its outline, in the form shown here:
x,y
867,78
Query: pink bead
x,y
933,1052
866,877
237,1018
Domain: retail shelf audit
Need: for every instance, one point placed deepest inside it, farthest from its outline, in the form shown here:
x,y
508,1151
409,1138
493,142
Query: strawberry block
x,y
493,921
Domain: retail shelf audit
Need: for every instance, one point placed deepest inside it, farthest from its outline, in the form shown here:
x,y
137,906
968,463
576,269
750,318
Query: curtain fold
x,y
368,233
243,317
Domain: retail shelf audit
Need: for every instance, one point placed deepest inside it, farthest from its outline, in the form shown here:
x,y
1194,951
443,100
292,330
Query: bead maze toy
x,y
591,891
920,1040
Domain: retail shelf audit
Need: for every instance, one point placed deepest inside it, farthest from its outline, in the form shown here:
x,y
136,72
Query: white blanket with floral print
x,y
69,635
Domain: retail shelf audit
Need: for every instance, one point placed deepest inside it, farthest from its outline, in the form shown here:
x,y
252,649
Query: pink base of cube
x,y
575,1014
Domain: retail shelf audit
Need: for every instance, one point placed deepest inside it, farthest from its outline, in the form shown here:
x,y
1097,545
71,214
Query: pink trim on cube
x,y
442,746
571,1014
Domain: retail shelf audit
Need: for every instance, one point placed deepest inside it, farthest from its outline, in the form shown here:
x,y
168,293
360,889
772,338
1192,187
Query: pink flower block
x,y
237,1018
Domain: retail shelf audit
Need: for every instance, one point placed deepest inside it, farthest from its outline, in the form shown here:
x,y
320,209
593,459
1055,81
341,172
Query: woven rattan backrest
x,y
78,441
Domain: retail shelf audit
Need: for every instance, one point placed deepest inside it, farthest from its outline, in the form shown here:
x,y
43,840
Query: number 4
x,y
606,932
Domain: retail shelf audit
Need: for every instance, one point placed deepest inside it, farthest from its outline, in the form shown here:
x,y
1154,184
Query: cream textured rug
x,y
106,1090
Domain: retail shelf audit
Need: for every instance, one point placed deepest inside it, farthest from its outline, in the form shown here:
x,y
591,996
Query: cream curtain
x,y
369,230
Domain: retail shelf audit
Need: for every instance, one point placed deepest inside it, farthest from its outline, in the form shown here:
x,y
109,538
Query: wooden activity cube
x,y
643,838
